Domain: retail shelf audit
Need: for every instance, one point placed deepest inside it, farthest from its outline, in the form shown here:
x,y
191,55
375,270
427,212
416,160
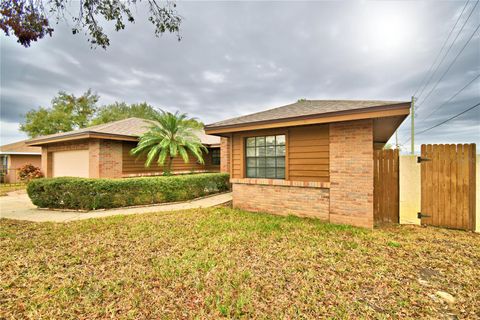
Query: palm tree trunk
x,y
169,166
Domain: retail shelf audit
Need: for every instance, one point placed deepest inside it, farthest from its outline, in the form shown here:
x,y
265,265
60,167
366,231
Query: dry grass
x,y
6,188
219,262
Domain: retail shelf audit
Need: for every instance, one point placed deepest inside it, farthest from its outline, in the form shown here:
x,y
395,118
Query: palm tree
x,y
170,135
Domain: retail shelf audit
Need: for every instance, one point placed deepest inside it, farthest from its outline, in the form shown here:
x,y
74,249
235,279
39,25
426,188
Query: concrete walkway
x,y
18,206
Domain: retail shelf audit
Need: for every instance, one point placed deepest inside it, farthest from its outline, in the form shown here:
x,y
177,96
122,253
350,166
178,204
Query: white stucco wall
x,y
477,197
410,191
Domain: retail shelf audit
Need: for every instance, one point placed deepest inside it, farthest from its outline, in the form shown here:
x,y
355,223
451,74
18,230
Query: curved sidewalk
x,y
19,207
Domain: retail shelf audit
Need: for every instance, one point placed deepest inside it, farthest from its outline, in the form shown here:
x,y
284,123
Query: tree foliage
x,y
67,113
29,20
26,21
171,135
121,110
70,113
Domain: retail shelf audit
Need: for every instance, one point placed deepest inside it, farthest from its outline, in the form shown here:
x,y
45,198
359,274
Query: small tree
x,y
171,135
29,172
31,20
67,113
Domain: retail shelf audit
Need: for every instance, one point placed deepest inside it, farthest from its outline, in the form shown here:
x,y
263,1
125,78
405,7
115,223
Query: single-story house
x,y
311,158
16,155
103,151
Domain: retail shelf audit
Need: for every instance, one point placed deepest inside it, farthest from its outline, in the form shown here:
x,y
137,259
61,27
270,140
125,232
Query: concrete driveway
x,y
18,206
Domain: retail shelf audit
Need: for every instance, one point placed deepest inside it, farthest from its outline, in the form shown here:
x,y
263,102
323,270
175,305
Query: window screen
x,y
265,157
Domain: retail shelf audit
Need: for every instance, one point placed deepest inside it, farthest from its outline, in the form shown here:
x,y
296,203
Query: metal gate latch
x,y
421,215
420,159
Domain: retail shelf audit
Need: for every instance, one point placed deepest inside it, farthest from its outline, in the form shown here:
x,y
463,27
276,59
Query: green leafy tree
x,y
30,20
121,110
171,135
67,113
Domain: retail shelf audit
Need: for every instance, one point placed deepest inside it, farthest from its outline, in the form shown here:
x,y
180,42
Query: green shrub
x,y
88,194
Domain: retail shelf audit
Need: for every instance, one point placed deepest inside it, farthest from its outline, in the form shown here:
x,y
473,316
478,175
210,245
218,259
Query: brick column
x,y
46,164
351,173
225,155
94,158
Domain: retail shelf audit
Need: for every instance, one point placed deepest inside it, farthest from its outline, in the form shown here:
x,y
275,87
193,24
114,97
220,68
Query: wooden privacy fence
x,y
386,187
448,185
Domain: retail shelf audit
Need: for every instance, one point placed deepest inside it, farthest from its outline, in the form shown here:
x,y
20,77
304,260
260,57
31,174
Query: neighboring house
x,y
311,158
103,151
14,156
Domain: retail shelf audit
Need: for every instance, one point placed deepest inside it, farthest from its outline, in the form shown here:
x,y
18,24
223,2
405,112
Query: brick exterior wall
x,y
346,199
282,200
110,164
351,173
225,154
105,158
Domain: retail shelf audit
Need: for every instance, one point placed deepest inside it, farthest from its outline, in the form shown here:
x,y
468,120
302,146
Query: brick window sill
x,y
279,182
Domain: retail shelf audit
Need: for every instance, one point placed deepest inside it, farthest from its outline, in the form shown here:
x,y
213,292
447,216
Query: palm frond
x,y
170,135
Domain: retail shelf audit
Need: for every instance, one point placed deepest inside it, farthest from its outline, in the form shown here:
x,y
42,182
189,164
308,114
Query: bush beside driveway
x,y
209,263
89,194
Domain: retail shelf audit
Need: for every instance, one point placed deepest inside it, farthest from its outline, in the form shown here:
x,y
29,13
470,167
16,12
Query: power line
x,y
447,52
449,119
452,97
445,121
440,52
451,64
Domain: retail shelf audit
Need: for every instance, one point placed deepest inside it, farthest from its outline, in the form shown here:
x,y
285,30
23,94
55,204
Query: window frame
x,y
215,157
265,157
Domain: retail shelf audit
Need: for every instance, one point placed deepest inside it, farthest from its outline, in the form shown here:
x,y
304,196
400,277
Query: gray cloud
x,y
237,58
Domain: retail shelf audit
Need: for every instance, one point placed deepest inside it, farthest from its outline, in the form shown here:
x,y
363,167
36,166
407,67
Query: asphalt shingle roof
x,y
133,127
19,147
305,108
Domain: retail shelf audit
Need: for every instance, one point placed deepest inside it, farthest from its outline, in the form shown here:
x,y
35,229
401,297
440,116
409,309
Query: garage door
x,y
70,163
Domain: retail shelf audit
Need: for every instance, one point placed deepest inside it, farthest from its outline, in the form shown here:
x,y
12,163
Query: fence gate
x,y
448,186
385,187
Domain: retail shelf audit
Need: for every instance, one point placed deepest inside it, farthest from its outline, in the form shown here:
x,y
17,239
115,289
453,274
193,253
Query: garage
x,y
70,163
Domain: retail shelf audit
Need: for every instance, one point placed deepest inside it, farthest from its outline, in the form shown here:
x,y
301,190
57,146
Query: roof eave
x,y
403,107
81,135
90,135
20,153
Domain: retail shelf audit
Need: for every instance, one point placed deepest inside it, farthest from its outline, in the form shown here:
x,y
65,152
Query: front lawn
x,y
218,262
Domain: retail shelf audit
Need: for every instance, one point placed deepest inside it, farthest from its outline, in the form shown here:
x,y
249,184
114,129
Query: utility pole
x,y
396,138
413,124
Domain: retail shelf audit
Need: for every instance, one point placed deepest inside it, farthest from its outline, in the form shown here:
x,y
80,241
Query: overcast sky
x,y
241,57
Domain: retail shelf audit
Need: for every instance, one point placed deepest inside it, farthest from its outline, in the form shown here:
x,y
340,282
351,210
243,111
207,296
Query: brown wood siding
x,y
237,156
308,153
134,165
307,156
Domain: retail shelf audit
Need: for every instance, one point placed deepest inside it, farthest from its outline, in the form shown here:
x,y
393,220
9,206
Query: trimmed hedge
x,y
88,194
